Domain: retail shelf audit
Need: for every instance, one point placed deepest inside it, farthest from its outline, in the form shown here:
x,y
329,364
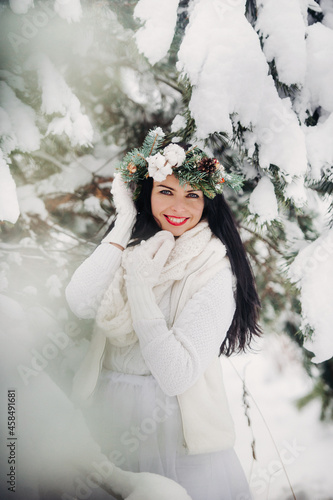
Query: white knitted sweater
x,y
176,356
178,340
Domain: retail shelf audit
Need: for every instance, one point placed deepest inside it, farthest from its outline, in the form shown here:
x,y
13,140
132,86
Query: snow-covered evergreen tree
x,y
248,81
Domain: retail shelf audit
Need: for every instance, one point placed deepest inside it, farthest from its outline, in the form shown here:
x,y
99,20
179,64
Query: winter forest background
x,y
251,83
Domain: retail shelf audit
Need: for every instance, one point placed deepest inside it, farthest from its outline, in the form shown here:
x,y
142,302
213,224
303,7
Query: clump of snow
x,y
319,77
82,131
178,123
70,10
283,29
222,57
320,146
93,206
57,97
54,286
278,134
79,129
24,132
312,271
9,207
21,6
327,9
296,191
263,201
131,85
155,37
29,202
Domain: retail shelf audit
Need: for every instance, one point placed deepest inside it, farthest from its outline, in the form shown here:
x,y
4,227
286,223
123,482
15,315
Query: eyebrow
x,y
171,189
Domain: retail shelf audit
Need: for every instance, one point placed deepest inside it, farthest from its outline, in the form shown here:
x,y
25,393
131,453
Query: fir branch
x,y
270,244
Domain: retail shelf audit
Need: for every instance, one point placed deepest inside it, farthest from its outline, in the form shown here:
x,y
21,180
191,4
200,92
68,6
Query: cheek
x,y
199,209
156,206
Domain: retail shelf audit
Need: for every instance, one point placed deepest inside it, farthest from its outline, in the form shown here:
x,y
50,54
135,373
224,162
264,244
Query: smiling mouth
x,y
176,221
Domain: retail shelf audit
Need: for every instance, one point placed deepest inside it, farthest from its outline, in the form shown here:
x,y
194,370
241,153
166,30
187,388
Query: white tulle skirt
x,y
139,428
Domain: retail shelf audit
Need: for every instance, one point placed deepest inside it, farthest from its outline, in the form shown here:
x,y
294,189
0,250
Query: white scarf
x,y
114,315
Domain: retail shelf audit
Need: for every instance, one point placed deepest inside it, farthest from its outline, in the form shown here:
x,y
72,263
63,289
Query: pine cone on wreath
x,y
208,165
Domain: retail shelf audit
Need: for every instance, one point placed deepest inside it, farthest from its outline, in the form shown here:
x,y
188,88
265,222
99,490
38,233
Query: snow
x,y
24,132
155,37
178,123
312,271
275,380
30,203
320,146
55,449
54,286
263,201
52,423
9,207
279,135
327,9
319,76
57,97
70,10
79,130
131,84
222,57
14,81
296,192
21,6
72,177
82,131
283,29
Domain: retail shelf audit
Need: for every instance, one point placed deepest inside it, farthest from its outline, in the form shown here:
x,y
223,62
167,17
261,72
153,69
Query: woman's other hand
x,y
145,263
126,214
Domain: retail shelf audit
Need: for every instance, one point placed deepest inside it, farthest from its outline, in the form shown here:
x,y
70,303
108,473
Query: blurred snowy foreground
x,y
54,452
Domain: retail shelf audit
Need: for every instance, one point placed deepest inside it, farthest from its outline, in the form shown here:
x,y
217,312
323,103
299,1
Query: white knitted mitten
x,y
143,269
145,264
126,213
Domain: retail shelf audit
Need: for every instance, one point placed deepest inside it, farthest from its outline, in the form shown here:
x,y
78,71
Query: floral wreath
x,y
191,167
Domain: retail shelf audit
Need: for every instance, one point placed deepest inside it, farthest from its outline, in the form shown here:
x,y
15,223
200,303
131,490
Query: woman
x,y
170,289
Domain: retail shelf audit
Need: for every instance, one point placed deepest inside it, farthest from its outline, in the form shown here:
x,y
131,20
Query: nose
x,y
178,206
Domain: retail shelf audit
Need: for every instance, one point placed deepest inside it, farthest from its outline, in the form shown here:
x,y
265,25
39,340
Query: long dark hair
x,y
223,225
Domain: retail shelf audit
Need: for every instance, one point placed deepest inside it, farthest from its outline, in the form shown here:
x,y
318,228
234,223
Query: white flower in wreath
x,y
158,167
175,155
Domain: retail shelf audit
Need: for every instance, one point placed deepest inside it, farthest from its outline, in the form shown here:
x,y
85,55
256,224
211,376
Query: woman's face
x,y
176,208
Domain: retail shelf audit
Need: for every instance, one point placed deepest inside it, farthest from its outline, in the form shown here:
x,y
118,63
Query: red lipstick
x,y
176,221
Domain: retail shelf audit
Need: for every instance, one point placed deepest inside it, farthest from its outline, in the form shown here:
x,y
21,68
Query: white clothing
x,y
166,362
146,436
182,266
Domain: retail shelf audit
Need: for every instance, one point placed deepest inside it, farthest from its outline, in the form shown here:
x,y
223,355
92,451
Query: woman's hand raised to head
x,y
122,197
126,214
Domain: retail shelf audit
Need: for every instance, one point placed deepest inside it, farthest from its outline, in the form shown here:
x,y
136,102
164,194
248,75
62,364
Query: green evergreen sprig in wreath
x,y
191,167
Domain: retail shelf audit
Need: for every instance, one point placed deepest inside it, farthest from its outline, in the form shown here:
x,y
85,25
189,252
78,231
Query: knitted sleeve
x,y
91,279
178,356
